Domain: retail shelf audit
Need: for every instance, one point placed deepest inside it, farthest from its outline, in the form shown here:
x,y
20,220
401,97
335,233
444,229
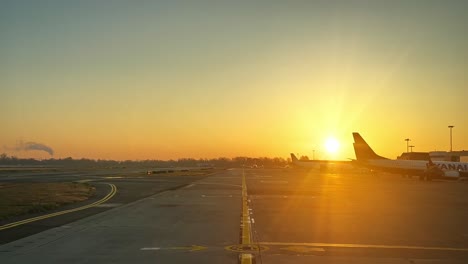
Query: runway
x,y
261,216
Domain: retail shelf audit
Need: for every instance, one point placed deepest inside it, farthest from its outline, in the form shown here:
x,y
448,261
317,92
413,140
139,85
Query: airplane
x,y
321,164
313,164
425,169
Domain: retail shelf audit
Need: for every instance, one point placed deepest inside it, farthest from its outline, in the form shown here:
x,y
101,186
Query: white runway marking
x,y
150,248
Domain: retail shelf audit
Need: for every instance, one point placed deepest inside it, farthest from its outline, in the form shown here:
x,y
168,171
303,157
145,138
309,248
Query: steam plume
x,y
33,146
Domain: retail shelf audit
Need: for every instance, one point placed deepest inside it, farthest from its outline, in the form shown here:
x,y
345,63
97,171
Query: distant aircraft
x,y
321,164
425,169
313,164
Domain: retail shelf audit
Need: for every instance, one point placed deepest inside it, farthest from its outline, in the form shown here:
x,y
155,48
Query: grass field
x,y
22,198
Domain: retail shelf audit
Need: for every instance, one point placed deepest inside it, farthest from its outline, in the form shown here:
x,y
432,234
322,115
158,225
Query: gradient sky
x,y
203,79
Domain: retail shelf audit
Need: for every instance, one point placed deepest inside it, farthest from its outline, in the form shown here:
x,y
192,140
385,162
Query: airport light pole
x,y
407,145
450,137
411,148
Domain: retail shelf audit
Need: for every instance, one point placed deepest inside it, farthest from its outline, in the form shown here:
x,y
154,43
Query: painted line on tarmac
x,y
245,258
304,249
83,181
34,219
246,249
246,252
371,246
191,248
246,226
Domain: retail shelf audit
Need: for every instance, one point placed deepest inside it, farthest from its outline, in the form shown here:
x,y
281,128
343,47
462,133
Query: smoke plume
x,y
26,146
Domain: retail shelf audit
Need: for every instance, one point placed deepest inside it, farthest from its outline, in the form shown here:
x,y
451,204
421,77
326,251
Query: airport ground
x,y
294,216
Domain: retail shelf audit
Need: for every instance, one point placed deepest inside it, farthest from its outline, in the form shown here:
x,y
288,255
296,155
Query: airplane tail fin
x,y
362,150
293,157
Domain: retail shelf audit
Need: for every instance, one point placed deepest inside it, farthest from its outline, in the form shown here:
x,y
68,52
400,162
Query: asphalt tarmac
x,y
294,216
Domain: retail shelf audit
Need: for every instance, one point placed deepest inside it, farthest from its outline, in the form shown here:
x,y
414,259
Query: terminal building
x,y
434,155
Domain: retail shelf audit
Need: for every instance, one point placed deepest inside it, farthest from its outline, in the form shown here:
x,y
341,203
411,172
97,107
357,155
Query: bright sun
x,y
332,145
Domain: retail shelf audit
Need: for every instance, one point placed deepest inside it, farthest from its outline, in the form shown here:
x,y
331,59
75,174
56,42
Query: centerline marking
x,y
245,258
245,223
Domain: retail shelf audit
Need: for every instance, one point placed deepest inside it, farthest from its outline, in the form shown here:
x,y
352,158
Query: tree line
x,y
6,160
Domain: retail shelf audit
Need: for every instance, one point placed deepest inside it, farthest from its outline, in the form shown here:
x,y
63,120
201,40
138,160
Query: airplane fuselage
x,y
416,167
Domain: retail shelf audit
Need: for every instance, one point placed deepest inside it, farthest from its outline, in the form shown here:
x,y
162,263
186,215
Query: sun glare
x,y
332,145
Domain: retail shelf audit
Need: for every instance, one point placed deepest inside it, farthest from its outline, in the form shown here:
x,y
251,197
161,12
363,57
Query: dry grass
x,y
22,198
25,169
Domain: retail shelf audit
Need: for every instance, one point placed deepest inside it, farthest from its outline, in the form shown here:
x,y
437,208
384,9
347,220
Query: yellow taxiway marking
x,y
30,220
246,228
246,251
246,248
189,248
245,258
304,249
362,246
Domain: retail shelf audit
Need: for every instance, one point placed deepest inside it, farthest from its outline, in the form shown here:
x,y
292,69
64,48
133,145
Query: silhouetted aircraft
x,y
425,169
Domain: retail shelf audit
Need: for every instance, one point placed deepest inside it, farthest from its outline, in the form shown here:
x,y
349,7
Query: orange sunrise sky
x,y
203,79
